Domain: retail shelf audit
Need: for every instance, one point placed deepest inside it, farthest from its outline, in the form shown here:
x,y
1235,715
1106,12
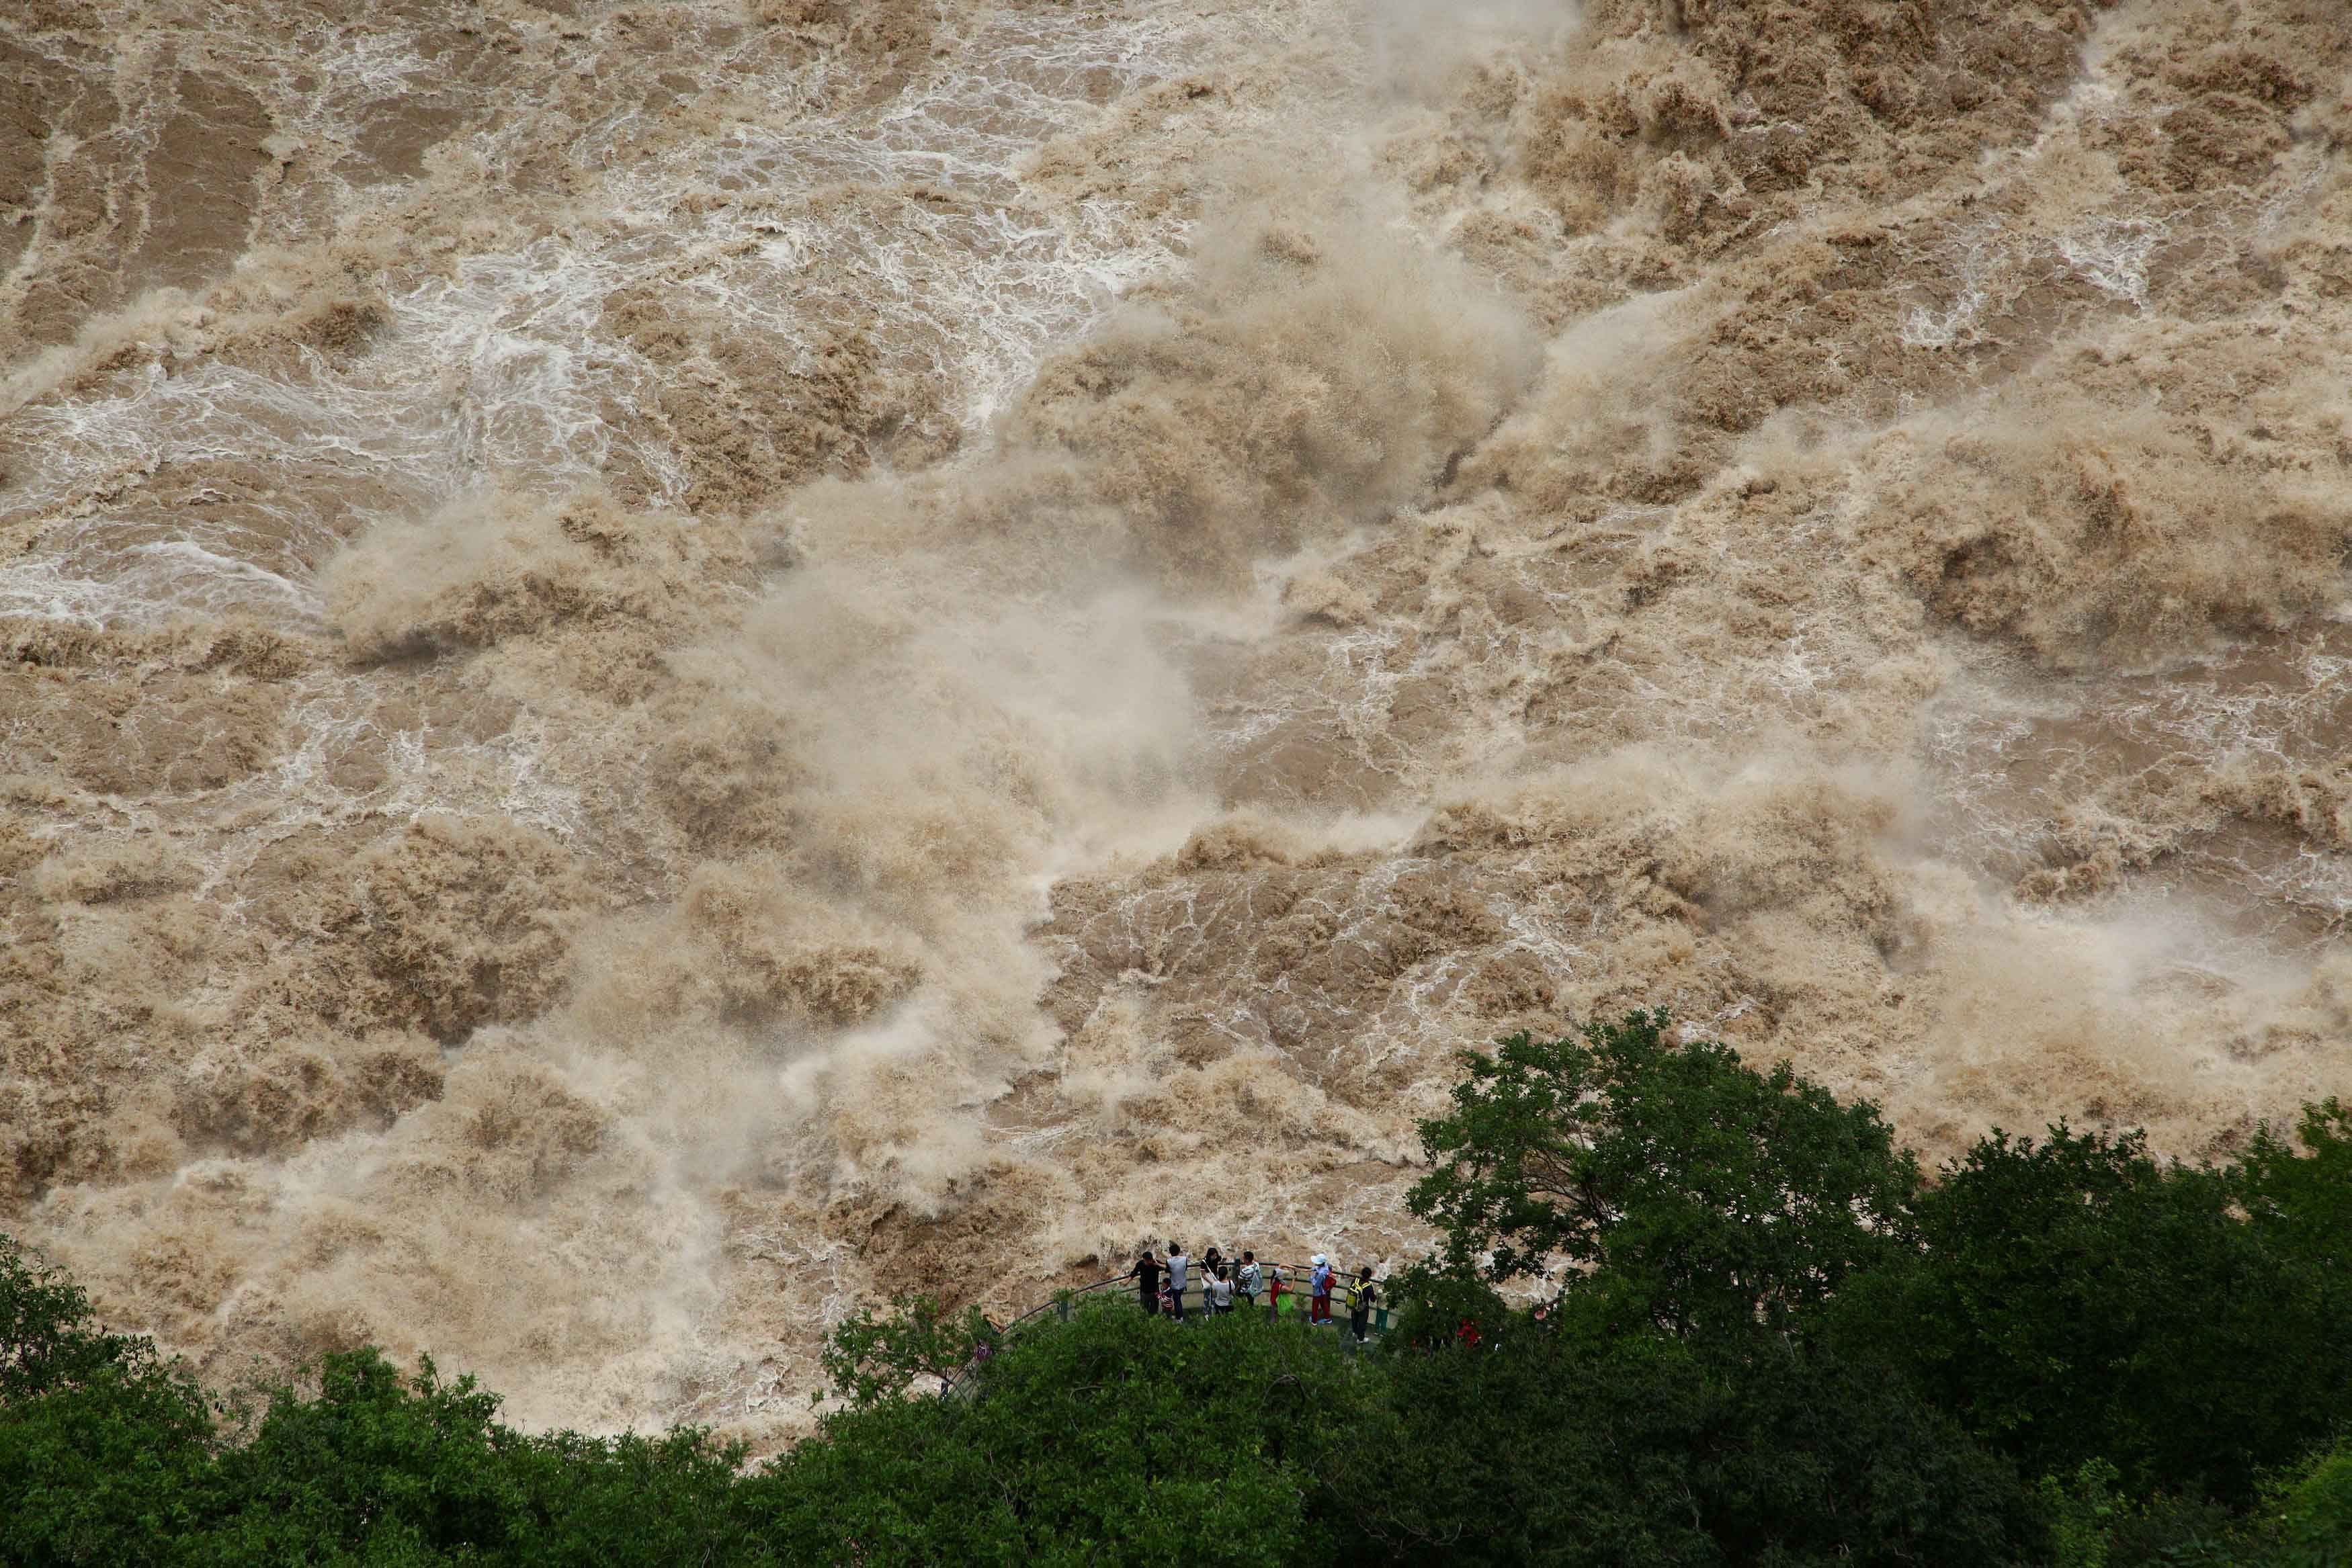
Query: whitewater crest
x,y
672,663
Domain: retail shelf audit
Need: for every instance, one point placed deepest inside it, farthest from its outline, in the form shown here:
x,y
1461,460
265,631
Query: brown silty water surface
x,y
672,665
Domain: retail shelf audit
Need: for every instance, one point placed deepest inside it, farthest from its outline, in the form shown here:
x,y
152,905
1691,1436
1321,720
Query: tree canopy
x,y
1670,1180
1757,1336
2074,1298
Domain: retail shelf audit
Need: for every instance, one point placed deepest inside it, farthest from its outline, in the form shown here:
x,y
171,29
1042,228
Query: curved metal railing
x,y
1283,1293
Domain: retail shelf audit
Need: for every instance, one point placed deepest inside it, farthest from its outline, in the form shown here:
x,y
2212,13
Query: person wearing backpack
x,y
1253,1279
1360,1296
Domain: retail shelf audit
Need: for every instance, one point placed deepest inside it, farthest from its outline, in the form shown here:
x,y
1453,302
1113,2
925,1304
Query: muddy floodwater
x,y
669,664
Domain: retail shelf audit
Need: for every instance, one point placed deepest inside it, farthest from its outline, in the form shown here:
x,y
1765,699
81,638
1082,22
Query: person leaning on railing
x,y
1146,1275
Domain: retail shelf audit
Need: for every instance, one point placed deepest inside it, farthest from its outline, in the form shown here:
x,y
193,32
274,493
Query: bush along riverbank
x,y
1683,1312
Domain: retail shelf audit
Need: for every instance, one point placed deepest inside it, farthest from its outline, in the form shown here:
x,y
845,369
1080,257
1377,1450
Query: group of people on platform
x,y
1225,1282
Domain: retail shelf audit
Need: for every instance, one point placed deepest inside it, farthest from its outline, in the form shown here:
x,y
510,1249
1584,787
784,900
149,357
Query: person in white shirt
x,y
1219,1289
1177,1264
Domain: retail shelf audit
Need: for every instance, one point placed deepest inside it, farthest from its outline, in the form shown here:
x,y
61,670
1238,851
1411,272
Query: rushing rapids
x,y
674,662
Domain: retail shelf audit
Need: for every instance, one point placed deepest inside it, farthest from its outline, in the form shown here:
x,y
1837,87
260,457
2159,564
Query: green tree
x,y
2166,1337
378,1467
46,1338
871,1357
2311,1512
2075,1299
2082,1511
1681,1187
627,1500
1826,1461
104,1447
383,1468
1114,1438
1432,1305
1544,1447
1526,1449
2299,1199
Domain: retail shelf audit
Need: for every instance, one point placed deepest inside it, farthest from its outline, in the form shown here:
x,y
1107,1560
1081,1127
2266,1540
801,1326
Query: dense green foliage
x,y
1550,1448
872,1356
1690,1193
1757,1336
103,1449
2153,1342
1115,1438
2073,1299
109,1456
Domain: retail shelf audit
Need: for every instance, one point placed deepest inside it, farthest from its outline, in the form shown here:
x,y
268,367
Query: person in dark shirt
x,y
1360,1297
1147,1280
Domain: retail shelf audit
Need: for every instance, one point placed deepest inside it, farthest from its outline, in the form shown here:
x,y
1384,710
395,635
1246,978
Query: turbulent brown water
x,y
673,664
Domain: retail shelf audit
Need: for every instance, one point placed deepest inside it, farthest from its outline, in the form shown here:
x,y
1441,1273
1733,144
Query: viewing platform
x,y
1288,1299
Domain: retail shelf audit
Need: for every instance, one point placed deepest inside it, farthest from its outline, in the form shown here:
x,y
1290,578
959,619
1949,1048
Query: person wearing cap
x,y
1318,1286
